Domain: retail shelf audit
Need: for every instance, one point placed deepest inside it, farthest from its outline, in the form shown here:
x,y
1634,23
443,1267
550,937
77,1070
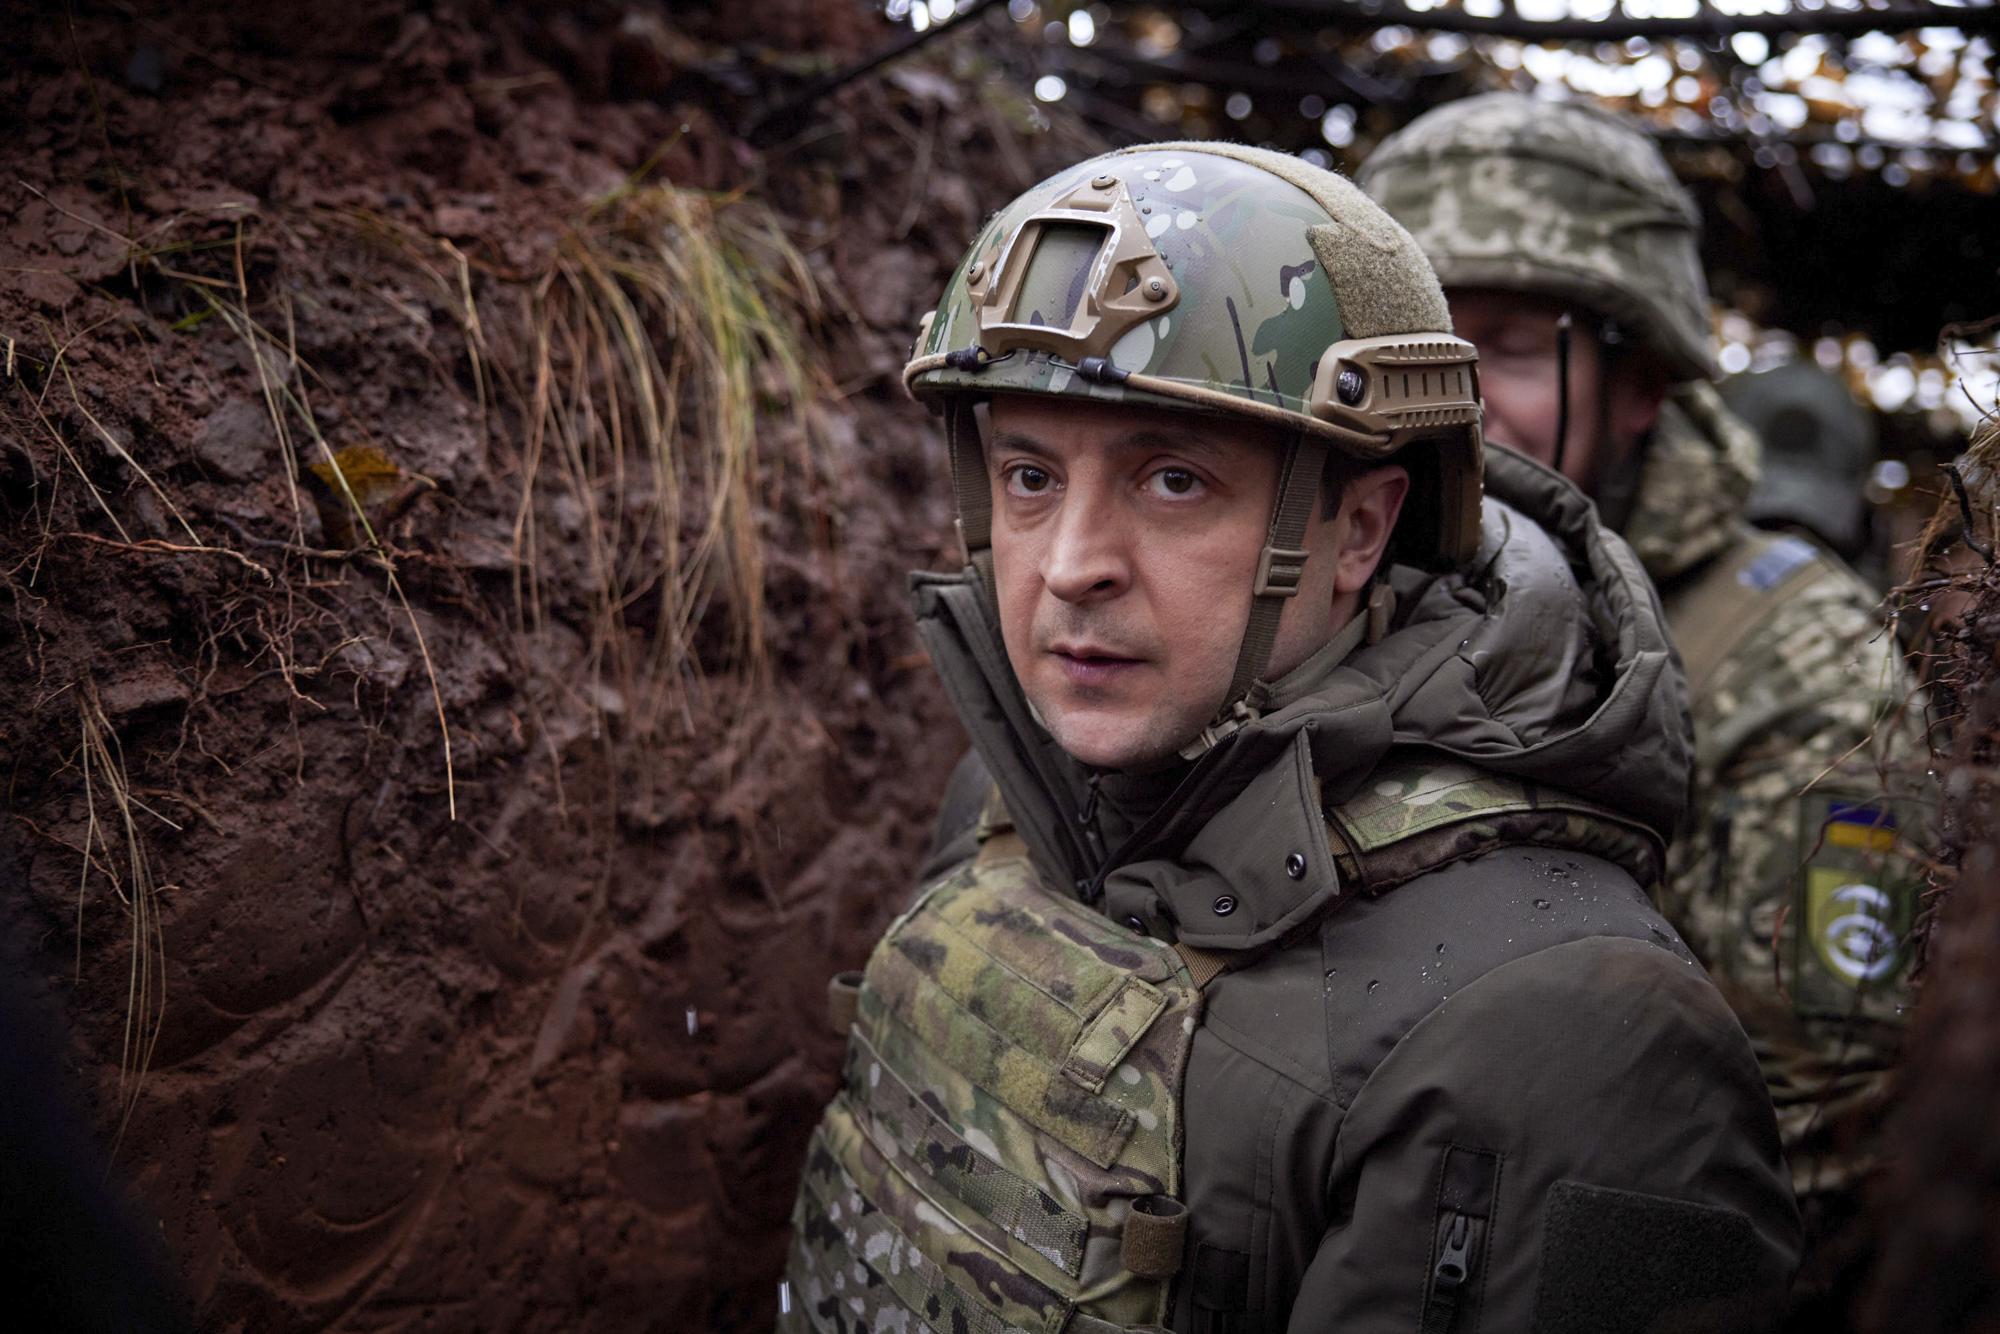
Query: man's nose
x,y
1086,560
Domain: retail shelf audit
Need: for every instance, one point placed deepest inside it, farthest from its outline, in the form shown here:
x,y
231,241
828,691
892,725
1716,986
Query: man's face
x,y
1125,544
1516,337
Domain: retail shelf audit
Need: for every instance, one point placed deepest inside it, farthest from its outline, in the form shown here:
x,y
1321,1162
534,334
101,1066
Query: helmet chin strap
x,y
970,488
1563,324
1280,568
1618,478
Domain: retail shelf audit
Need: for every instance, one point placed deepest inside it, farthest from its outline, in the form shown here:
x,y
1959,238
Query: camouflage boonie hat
x,y
1510,192
1211,277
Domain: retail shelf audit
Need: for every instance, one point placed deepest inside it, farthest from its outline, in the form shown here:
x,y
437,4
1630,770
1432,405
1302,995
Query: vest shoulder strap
x,y
1419,813
1713,611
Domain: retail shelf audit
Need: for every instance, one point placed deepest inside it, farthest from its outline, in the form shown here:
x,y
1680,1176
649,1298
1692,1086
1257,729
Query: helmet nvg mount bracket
x,y
1215,278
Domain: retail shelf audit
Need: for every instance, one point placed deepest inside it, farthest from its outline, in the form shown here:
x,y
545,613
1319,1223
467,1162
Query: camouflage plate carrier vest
x,y
1004,1152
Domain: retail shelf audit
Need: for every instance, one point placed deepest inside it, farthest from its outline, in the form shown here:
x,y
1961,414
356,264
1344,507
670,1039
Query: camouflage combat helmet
x,y
1506,191
1214,278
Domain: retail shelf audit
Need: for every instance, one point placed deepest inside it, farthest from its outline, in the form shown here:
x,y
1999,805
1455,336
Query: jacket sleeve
x,y
1580,1140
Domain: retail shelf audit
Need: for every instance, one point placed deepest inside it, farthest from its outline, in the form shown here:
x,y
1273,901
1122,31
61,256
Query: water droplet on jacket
x,y
1541,903
1374,983
1440,947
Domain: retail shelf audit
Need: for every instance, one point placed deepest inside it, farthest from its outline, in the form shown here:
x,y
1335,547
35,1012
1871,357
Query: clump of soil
x,y
288,502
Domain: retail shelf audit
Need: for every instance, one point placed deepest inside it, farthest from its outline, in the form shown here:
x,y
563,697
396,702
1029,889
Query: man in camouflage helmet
x,y
1289,967
1568,252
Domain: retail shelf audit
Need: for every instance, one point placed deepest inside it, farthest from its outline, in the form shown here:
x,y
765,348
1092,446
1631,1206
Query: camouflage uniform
x,y
1815,704
1356,1016
1803,712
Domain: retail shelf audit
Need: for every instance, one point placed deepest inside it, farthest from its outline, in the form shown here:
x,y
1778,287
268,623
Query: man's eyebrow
x,y
1185,442
1014,440
1180,441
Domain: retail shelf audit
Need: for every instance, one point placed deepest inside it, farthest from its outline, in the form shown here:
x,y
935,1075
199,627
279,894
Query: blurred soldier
x,y
1819,447
1567,250
1282,982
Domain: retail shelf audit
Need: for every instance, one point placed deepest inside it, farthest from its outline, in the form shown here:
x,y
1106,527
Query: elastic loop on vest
x,y
843,998
1155,1234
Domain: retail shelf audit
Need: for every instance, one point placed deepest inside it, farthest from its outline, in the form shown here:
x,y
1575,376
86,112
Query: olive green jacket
x,y
1488,1090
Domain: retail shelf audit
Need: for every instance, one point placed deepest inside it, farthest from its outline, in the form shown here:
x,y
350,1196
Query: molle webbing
x,y
898,1114
1012,1088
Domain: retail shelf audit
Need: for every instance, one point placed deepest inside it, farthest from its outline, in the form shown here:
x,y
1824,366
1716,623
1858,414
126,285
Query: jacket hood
x,y
1545,660
1700,467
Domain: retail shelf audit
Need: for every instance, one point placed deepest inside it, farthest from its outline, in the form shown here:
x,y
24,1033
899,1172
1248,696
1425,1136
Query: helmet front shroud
x,y
1215,278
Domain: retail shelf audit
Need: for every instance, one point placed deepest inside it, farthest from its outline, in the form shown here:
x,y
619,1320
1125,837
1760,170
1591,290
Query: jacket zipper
x,y
1467,1187
1448,1275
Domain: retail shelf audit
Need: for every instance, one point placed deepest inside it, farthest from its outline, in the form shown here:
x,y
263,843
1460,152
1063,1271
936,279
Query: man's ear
x,y
1369,507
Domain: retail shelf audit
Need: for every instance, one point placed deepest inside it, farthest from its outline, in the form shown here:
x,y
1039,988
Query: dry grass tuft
x,y
664,364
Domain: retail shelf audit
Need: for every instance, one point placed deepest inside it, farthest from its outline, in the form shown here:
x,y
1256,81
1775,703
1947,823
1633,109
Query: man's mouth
x,y
1092,664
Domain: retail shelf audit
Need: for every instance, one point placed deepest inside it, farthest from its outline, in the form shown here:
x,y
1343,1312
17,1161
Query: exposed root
x,y
175,549
115,849
286,400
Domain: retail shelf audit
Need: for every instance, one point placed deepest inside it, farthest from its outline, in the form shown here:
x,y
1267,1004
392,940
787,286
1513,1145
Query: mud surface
x,y
548,1064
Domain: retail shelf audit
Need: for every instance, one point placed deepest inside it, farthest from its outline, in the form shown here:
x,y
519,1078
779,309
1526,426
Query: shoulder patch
x,y
1854,901
1776,563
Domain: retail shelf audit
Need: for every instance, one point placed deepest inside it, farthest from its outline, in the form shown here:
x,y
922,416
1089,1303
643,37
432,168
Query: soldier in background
x,y
1568,252
1818,449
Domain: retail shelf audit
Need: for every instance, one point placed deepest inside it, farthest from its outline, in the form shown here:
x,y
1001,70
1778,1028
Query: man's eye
x,y
1029,481
1175,482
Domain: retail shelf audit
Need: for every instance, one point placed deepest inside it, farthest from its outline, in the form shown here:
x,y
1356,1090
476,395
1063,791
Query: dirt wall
x,y
531,1040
